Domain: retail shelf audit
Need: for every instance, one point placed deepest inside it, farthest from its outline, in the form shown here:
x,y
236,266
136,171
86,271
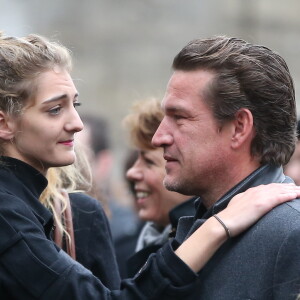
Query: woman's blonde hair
x,y
72,178
143,121
22,60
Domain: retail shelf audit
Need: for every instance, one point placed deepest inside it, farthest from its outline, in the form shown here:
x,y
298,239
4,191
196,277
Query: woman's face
x,y
154,201
43,135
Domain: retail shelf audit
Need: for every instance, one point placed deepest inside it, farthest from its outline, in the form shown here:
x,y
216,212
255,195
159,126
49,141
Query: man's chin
x,y
171,184
177,186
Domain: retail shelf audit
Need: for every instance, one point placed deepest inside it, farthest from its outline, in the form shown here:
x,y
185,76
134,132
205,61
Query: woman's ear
x,y
6,128
243,128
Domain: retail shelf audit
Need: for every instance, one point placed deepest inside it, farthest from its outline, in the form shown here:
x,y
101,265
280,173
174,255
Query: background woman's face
x,y
154,201
44,132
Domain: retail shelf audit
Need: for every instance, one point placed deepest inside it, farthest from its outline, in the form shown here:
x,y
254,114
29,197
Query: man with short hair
x,y
229,125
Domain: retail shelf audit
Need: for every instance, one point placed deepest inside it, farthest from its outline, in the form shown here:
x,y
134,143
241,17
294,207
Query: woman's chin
x,y
64,162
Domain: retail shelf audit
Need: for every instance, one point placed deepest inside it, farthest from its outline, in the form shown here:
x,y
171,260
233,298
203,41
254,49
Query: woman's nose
x,y
134,173
74,123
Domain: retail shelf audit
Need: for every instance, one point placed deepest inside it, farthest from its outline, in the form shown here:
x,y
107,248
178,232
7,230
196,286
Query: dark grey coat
x,y
264,262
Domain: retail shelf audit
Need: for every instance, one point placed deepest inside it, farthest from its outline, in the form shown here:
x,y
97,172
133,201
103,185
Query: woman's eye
x,y
149,161
55,111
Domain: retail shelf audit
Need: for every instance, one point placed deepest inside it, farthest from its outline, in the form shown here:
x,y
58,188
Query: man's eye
x,y
76,104
177,117
55,111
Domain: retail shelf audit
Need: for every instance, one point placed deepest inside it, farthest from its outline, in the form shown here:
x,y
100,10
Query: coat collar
x,y
26,183
186,208
263,175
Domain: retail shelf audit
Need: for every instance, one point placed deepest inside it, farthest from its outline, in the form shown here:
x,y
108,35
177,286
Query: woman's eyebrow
x,y
59,97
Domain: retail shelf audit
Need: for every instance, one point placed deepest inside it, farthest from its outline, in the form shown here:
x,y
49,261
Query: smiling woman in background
x,y
159,207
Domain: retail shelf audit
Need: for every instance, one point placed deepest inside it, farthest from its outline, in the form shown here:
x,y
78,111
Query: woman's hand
x,y
243,211
247,208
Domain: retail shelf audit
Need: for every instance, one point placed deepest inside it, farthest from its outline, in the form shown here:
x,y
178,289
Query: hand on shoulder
x,y
248,207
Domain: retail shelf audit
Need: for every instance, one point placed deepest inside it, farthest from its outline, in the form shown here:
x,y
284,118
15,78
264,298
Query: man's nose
x,y
162,136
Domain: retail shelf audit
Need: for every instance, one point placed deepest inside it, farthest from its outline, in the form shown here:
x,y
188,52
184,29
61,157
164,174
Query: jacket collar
x,y
26,183
263,175
186,208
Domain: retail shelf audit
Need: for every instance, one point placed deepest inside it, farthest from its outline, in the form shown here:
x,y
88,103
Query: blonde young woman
x,y
38,122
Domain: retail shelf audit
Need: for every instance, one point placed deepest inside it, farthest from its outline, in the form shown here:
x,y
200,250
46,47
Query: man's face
x,y
195,146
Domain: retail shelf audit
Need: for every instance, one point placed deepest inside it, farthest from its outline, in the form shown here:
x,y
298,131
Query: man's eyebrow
x,y
59,97
174,109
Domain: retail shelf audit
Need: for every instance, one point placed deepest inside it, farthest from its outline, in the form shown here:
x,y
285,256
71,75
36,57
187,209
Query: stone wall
x,y
123,48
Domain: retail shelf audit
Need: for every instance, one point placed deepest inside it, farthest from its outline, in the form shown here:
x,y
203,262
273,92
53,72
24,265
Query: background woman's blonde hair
x,y
143,121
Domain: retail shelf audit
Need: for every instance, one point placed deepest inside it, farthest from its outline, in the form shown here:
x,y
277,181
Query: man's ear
x,y
6,128
243,128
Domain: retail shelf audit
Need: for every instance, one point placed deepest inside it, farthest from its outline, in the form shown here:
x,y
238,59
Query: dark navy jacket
x,y
137,260
262,263
93,240
33,267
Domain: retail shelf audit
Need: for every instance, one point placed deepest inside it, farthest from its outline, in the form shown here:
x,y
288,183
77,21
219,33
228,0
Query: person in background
x,y
157,206
292,168
91,237
95,138
38,123
229,125
125,244
123,220
130,159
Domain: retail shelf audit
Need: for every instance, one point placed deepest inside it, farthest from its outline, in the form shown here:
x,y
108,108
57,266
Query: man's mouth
x,y
168,158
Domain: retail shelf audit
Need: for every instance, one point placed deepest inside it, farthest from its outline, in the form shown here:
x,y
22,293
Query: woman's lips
x,y
67,143
141,194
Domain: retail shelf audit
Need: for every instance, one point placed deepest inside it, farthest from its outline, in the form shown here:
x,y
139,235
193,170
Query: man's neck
x,y
212,195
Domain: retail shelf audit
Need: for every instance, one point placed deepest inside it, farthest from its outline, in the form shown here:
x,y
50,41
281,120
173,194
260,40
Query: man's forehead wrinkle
x,y
179,91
